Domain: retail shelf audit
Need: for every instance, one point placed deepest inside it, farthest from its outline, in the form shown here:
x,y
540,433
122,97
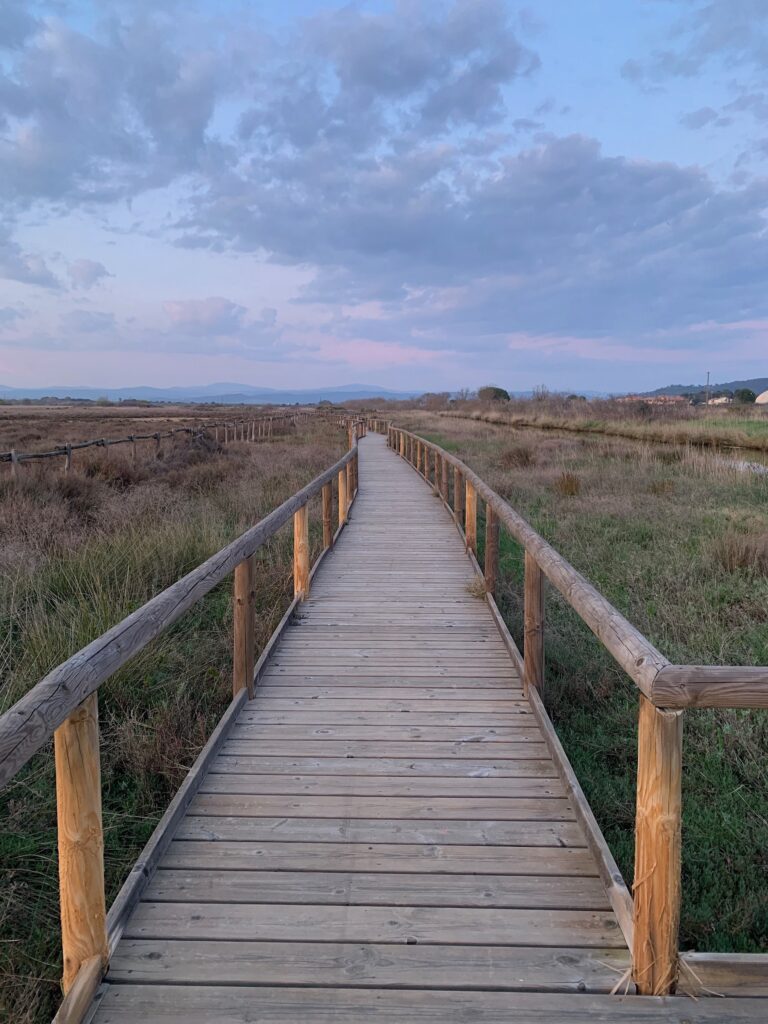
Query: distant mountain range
x,y
756,384
223,394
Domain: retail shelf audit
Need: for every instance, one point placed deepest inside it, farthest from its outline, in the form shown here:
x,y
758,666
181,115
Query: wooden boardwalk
x,y
383,835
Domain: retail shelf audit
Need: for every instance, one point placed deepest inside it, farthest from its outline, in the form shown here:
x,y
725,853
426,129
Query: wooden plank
x,y
502,709
727,974
373,830
257,731
442,693
381,748
377,766
192,1004
358,888
350,965
389,786
427,858
407,717
384,808
323,923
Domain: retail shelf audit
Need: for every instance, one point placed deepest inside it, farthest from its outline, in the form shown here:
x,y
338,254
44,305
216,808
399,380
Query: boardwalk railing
x,y
258,429
665,690
64,706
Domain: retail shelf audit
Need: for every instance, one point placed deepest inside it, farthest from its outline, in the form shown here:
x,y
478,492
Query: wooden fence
x,y
64,706
650,918
258,429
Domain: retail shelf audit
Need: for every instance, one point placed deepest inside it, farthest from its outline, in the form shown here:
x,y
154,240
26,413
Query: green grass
x,y
653,532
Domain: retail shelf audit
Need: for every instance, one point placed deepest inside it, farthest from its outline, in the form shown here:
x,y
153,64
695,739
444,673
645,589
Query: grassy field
x,y
679,543
78,554
726,427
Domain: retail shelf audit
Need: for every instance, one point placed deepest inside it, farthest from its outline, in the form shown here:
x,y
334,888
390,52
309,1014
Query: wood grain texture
x,y
656,888
80,840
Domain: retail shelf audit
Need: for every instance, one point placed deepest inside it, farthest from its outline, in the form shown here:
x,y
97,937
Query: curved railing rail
x,y
665,689
63,706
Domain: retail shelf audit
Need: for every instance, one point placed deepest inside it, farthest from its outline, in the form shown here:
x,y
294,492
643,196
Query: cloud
x,y
699,118
10,314
211,316
24,267
86,273
85,321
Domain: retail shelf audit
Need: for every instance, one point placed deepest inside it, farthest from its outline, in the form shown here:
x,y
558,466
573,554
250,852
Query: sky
x,y
418,195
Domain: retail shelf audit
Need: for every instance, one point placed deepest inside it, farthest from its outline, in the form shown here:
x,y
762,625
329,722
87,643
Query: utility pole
x,y
706,393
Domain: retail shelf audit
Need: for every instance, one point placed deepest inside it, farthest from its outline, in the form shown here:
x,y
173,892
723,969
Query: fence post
x,y
68,459
491,549
244,600
656,887
458,495
157,445
342,495
14,463
327,513
444,479
80,839
533,626
470,528
301,553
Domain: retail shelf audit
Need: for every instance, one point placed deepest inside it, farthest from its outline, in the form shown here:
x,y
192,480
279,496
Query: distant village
x,y
742,396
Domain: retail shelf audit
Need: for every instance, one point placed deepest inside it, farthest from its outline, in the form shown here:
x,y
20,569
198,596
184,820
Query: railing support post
x,y
458,495
657,849
491,549
327,515
301,552
444,479
342,496
533,626
81,840
470,529
244,600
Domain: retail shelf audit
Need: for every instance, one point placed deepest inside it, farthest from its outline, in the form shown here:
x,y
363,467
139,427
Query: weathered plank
x,y
350,965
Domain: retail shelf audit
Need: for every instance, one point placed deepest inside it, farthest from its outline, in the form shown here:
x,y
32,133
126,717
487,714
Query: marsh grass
x,y
675,538
78,554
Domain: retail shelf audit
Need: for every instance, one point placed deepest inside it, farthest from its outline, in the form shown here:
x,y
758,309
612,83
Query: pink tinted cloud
x,y
594,348
214,315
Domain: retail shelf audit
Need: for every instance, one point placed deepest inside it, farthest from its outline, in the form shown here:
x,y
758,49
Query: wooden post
x,y
444,479
342,496
657,849
458,495
356,464
81,840
533,626
301,553
470,528
327,513
491,549
67,459
244,601
438,472
157,445
134,453
14,464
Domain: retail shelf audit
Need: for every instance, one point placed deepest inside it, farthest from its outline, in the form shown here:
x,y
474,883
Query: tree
x,y
491,393
744,396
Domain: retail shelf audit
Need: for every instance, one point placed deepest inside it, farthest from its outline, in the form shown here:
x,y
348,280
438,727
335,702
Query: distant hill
x,y
756,384
223,394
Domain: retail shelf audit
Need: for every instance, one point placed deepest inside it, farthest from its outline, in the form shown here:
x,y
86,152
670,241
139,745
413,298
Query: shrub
x,y
567,484
737,551
516,455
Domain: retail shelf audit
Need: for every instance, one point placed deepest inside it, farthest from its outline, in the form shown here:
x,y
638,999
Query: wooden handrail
x,y
664,690
31,722
65,705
